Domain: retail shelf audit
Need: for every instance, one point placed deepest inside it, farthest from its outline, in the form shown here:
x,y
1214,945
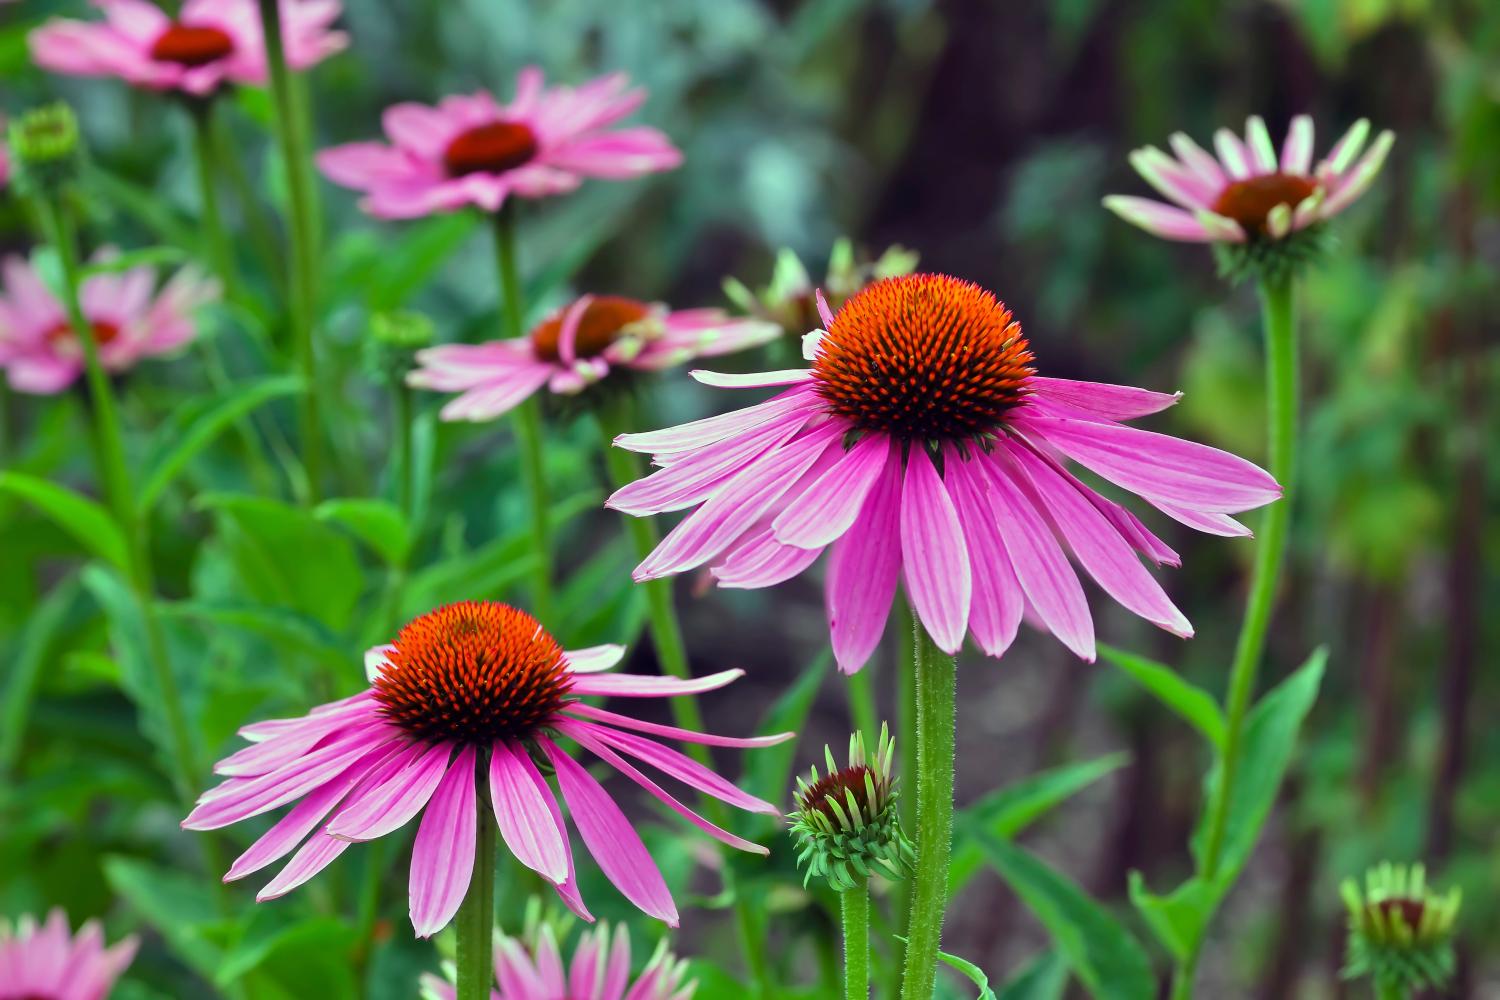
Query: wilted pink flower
x,y
46,963
1247,192
921,446
577,346
210,42
38,348
600,971
472,150
470,689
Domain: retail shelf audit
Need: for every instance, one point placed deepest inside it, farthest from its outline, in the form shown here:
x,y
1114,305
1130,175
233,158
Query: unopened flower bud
x,y
45,148
1400,930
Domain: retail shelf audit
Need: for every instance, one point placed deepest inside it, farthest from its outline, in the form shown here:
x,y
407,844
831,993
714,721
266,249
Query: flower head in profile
x,y
1249,194
130,317
473,150
790,300
922,447
47,963
600,970
1400,930
576,347
209,43
846,825
471,691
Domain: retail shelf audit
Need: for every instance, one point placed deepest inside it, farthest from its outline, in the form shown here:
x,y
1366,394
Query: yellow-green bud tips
x,y
45,146
788,300
1400,930
845,823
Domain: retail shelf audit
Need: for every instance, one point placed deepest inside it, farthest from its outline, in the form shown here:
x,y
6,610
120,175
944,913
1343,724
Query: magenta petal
x,y
387,805
863,570
1210,523
651,686
934,558
520,795
610,838
828,507
619,721
1102,399
1051,587
998,602
1109,559
318,853
442,857
711,430
759,560
678,765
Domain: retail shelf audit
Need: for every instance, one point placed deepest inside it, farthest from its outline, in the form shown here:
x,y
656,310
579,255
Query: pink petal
x,y
1210,523
678,765
594,658
1158,219
1296,152
610,838
758,560
710,430
315,855
828,507
862,573
520,795
998,602
934,558
1101,399
386,806
753,380
442,857
640,686
586,711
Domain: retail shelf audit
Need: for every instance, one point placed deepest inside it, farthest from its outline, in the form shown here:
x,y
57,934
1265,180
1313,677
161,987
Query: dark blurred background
x,y
983,135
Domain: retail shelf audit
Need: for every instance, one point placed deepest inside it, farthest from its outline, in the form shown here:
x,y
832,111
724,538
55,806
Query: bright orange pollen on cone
x,y
598,327
473,672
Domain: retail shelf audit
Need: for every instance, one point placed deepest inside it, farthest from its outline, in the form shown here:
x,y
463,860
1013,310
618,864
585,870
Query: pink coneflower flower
x,y
1248,192
922,447
472,150
210,43
38,348
470,690
46,963
600,971
577,346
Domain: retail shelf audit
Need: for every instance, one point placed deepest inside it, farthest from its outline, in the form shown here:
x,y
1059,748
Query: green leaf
x,y
84,519
1044,978
45,620
975,973
307,958
1179,919
286,629
144,257
152,211
408,265
1195,705
1099,950
377,523
178,906
201,433
1007,811
286,557
769,771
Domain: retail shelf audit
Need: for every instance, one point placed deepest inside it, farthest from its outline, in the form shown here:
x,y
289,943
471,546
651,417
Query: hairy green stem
x,y
476,914
115,473
526,420
302,226
671,653
855,904
1279,312
936,681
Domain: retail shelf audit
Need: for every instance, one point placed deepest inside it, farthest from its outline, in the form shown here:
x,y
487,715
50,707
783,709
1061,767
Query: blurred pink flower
x,y
46,962
209,44
38,348
472,150
1247,192
577,346
921,446
600,971
471,688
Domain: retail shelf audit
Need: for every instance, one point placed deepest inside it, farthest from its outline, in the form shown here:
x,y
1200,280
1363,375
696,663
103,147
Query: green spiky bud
x,y
45,146
394,338
845,824
789,300
1400,930
1276,259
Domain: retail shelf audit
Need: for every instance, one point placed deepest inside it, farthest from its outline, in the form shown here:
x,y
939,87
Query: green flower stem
x,y
405,474
1278,308
936,683
476,914
115,473
526,419
855,904
671,653
1391,991
217,246
262,235
302,225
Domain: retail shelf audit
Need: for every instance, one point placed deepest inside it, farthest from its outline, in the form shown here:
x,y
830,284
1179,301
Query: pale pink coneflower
x,y
473,150
471,690
921,446
131,320
1248,192
576,347
47,963
600,970
209,44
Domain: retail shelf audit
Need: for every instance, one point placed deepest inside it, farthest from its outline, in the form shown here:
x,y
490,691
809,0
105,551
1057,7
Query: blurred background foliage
x,y
980,134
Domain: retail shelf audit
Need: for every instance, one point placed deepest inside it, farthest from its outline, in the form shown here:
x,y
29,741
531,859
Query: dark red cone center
x,y
1250,201
491,149
191,45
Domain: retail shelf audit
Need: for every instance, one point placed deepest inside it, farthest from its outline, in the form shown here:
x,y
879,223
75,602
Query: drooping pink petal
x,y
759,560
586,711
676,764
318,853
386,806
610,838
642,686
710,430
863,570
520,796
828,507
442,857
1161,220
998,602
1205,521
934,558
1101,399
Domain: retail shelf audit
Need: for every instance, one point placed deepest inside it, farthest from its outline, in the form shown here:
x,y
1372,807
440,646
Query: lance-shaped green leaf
x,y
84,519
1195,705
